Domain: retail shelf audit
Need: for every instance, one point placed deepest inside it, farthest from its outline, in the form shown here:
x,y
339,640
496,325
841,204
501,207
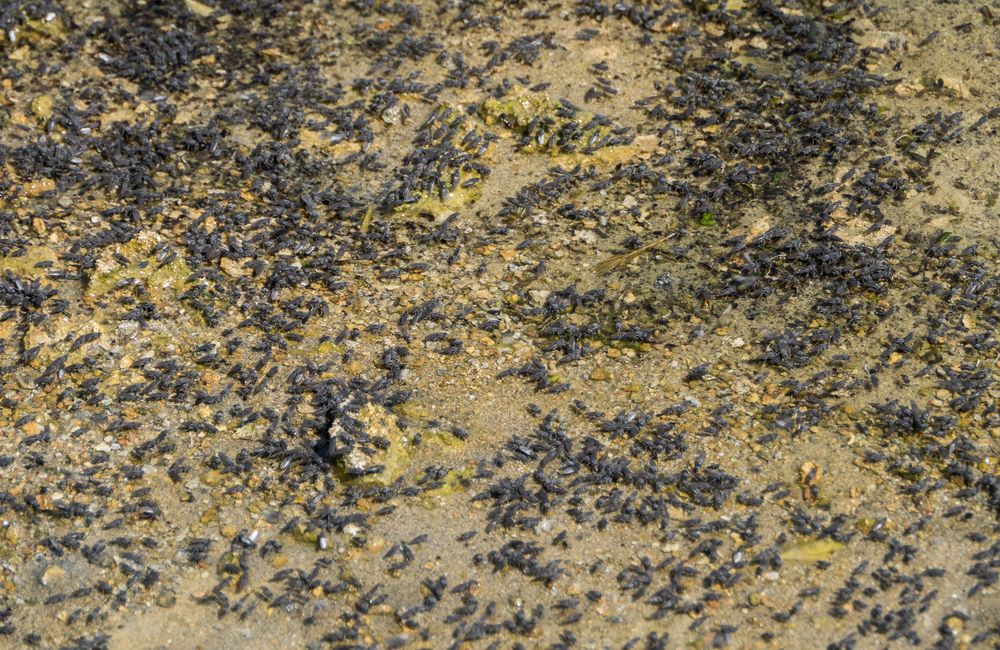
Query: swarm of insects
x,y
498,324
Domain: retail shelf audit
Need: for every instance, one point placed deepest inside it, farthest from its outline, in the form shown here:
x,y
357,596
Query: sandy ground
x,y
369,324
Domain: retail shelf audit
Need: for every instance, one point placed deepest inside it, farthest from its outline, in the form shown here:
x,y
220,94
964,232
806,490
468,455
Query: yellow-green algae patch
x,y
454,482
313,349
26,264
138,260
811,550
545,124
445,201
457,191
518,109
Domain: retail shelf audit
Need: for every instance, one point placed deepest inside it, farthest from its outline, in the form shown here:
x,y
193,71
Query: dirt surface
x,y
499,324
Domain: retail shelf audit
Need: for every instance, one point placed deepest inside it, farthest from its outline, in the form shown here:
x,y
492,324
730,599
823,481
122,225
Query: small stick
x,y
625,258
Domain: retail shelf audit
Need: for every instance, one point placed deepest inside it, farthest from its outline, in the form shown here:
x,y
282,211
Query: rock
x,y
759,227
41,107
231,267
909,88
600,374
539,295
869,35
39,186
380,466
948,84
954,86
544,526
166,599
810,473
127,330
198,8
393,114
212,477
52,575
358,463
